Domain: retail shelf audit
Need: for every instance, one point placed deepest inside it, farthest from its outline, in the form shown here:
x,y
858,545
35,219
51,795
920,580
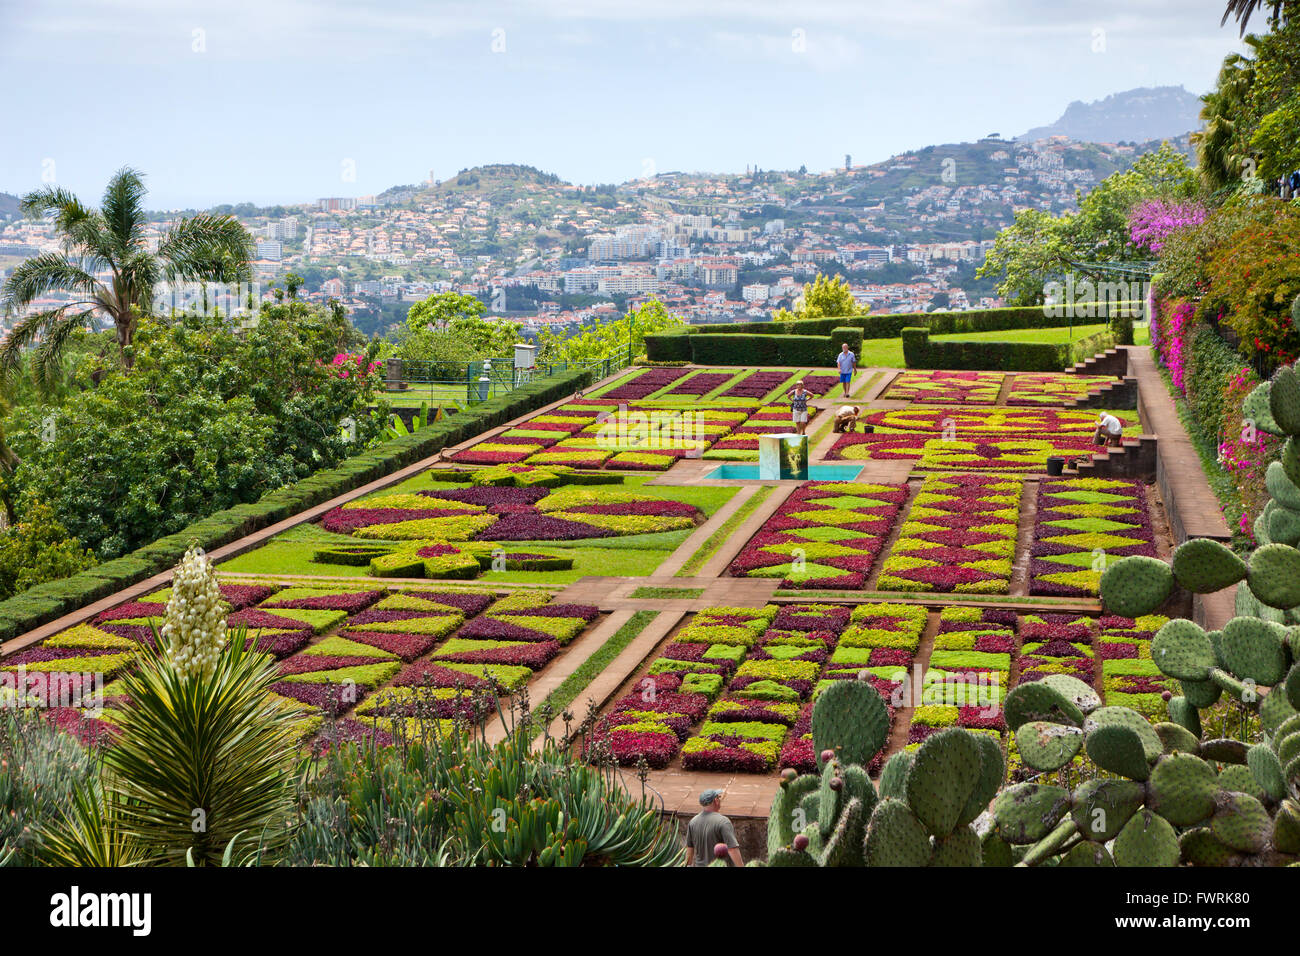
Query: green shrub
x,y
919,351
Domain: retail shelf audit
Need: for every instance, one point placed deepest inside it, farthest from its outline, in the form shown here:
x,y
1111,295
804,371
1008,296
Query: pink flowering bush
x,y
1152,222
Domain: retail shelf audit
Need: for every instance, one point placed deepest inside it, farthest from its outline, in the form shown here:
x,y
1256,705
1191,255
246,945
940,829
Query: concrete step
x,y
1134,460
1120,394
1110,362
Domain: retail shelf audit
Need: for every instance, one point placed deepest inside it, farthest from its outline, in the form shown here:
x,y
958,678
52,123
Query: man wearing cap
x,y
707,829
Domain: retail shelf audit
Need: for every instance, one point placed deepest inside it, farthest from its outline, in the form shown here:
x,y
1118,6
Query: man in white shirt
x,y
1109,430
847,362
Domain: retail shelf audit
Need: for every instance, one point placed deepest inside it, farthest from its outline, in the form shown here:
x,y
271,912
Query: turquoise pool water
x,y
815,473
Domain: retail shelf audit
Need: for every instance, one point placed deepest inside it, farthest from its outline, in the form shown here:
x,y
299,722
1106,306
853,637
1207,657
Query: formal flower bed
x,y
1020,454
967,388
1083,524
646,383
701,383
1053,388
1128,674
959,536
756,385
995,421
819,385
825,535
506,514
1056,643
968,673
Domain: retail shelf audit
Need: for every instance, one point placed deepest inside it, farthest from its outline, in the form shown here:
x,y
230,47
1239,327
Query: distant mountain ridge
x,y
8,206
1146,113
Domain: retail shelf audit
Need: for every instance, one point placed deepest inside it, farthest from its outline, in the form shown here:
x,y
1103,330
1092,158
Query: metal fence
x,y
450,383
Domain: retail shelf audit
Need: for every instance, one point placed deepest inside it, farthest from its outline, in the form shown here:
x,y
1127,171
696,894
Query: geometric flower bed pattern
x,y
968,673
994,421
1020,454
1056,643
960,536
824,535
1082,524
741,442
1129,676
1052,388
510,514
968,388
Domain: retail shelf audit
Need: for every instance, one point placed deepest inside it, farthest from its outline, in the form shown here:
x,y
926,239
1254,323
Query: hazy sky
x,y
286,101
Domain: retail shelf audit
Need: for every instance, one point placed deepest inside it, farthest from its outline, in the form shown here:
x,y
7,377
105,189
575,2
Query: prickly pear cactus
x,y
920,817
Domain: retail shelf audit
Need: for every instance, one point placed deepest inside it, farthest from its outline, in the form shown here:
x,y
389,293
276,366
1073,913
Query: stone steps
x,y
1134,460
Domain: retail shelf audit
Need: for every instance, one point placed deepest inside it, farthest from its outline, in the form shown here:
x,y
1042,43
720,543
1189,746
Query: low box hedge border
x,y
698,343
45,602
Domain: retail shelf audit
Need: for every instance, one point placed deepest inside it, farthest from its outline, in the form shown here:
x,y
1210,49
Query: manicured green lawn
x,y
888,353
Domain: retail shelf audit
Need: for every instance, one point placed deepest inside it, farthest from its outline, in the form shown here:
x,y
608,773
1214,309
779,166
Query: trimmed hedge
x,y
762,349
919,351
685,345
45,602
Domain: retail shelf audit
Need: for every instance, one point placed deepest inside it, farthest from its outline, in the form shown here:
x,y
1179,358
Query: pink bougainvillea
x,y
1152,222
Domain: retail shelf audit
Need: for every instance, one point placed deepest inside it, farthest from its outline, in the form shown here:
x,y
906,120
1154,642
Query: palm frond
x,y
47,272
205,247
137,278
47,362
24,332
1243,10
123,210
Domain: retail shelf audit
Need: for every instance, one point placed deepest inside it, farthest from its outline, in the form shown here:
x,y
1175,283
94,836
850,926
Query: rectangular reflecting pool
x,y
815,473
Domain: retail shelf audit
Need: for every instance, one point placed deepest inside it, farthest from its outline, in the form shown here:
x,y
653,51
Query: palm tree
x,y
108,268
1243,10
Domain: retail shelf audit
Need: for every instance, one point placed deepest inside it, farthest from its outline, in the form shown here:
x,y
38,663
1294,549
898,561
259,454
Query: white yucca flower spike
x,y
195,622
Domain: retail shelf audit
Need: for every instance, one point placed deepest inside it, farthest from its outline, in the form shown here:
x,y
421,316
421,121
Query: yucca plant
x,y
93,832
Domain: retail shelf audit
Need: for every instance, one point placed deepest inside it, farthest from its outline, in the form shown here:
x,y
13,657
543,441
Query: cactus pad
x,y
895,837
1284,400
1238,777
1182,789
1046,746
1027,812
1103,805
1118,749
1184,713
1286,827
850,718
1136,585
995,851
1204,566
1254,650
992,772
1074,690
1274,575
784,856
1176,737
1087,854
945,773
1256,409
961,848
1281,488
1181,649
1039,701
1146,840
1241,822
1199,693
893,776
1201,847
1126,717
844,848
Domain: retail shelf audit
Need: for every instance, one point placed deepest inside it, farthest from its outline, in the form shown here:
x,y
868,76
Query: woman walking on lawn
x,y
799,405
847,362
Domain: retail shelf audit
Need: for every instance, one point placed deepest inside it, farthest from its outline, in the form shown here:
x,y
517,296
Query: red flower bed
x,y
328,697
347,520
755,385
351,603
429,674
406,646
701,384
649,381
307,663
490,629
532,655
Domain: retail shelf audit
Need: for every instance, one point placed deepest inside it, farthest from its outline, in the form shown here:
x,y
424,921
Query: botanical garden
x,y
261,608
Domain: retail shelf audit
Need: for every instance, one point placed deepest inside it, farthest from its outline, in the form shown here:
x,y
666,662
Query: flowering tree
x,y
1152,221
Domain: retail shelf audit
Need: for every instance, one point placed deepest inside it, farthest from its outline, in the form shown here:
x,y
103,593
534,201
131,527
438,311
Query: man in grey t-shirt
x,y
707,829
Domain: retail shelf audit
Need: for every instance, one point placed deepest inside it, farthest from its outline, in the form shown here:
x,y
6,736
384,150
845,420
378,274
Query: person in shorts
x,y
707,829
1110,430
799,406
847,362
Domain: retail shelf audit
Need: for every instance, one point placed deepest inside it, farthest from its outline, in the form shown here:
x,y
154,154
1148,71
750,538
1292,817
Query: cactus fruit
x,y
1182,710
851,719
895,837
1284,400
1087,854
1182,650
1028,812
1182,789
1241,822
1119,750
1177,738
893,776
1103,805
1204,566
1281,488
1045,746
1039,701
1256,409
945,772
961,848
1254,650
1136,586
1146,840
1274,575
